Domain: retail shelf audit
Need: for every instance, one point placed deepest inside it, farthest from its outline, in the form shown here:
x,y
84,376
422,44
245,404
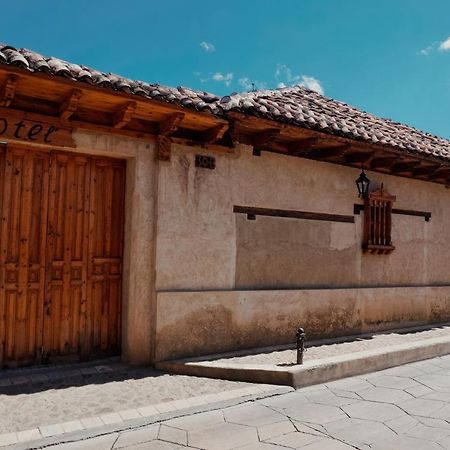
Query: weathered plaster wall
x,y
202,244
201,323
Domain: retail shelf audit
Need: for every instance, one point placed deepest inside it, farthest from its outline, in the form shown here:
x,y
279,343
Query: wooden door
x,y
106,222
24,196
67,256
61,244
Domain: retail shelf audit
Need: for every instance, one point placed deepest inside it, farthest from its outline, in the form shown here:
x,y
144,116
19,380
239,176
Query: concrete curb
x,y
54,434
314,372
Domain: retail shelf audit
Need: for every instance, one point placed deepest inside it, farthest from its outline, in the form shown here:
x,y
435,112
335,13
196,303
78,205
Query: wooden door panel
x,y
106,221
22,254
61,245
67,238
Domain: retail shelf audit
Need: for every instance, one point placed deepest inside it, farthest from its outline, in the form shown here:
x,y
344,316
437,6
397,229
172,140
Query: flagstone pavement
x,y
407,407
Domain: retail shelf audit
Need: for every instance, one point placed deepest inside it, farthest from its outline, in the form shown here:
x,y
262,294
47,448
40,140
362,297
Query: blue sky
x,y
388,57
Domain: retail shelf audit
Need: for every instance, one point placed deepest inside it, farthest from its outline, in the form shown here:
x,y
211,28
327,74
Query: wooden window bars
x,y
377,222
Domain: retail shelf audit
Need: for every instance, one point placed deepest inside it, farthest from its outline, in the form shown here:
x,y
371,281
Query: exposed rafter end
x,y
170,124
124,114
8,91
163,148
214,134
382,162
70,105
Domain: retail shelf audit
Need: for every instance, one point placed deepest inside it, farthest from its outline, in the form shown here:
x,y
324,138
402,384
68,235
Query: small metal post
x,y
301,336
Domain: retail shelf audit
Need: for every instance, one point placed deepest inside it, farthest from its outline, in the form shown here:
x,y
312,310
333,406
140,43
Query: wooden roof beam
x,y
425,170
358,157
402,167
124,114
302,146
70,104
440,174
8,91
382,162
214,134
170,124
329,152
264,137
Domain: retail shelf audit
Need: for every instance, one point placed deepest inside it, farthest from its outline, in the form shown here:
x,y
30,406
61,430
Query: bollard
x,y
301,336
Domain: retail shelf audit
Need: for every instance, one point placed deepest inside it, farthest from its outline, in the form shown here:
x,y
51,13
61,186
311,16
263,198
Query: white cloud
x,y
426,51
219,77
444,46
287,78
312,83
225,78
208,47
249,84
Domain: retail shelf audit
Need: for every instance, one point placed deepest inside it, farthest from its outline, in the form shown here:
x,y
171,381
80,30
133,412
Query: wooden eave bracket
x,y
8,91
214,134
124,114
70,105
170,124
163,148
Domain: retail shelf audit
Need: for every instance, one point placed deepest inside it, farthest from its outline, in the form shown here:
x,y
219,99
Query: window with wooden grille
x,y
377,222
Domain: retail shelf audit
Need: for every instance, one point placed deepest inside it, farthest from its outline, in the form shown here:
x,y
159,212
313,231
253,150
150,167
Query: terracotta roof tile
x,y
34,62
302,107
294,105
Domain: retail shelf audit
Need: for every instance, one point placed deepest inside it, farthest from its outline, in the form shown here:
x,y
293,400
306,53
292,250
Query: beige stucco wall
x,y
199,278
201,323
202,244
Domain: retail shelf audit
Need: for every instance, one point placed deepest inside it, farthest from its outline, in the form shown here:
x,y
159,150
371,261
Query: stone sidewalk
x,y
406,407
40,402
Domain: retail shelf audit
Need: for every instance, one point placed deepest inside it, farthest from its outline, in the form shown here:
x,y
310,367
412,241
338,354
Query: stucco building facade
x,y
205,224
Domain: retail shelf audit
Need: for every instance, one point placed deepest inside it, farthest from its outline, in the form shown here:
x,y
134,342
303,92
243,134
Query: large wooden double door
x,y
61,243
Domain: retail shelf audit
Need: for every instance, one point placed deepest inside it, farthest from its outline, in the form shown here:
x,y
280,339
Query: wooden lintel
x,y
170,124
163,148
70,105
264,137
329,152
8,91
214,134
302,146
124,114
358,157
382,162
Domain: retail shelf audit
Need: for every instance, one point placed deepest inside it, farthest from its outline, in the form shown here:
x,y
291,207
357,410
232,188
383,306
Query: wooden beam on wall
x,y
163,148
425,170
8,91
124,114
214,134
70,105
170,124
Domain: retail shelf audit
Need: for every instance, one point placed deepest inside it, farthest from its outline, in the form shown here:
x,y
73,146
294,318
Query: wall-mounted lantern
x,y
362,183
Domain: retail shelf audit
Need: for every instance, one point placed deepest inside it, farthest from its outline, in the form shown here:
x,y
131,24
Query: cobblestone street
x,y
406,407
